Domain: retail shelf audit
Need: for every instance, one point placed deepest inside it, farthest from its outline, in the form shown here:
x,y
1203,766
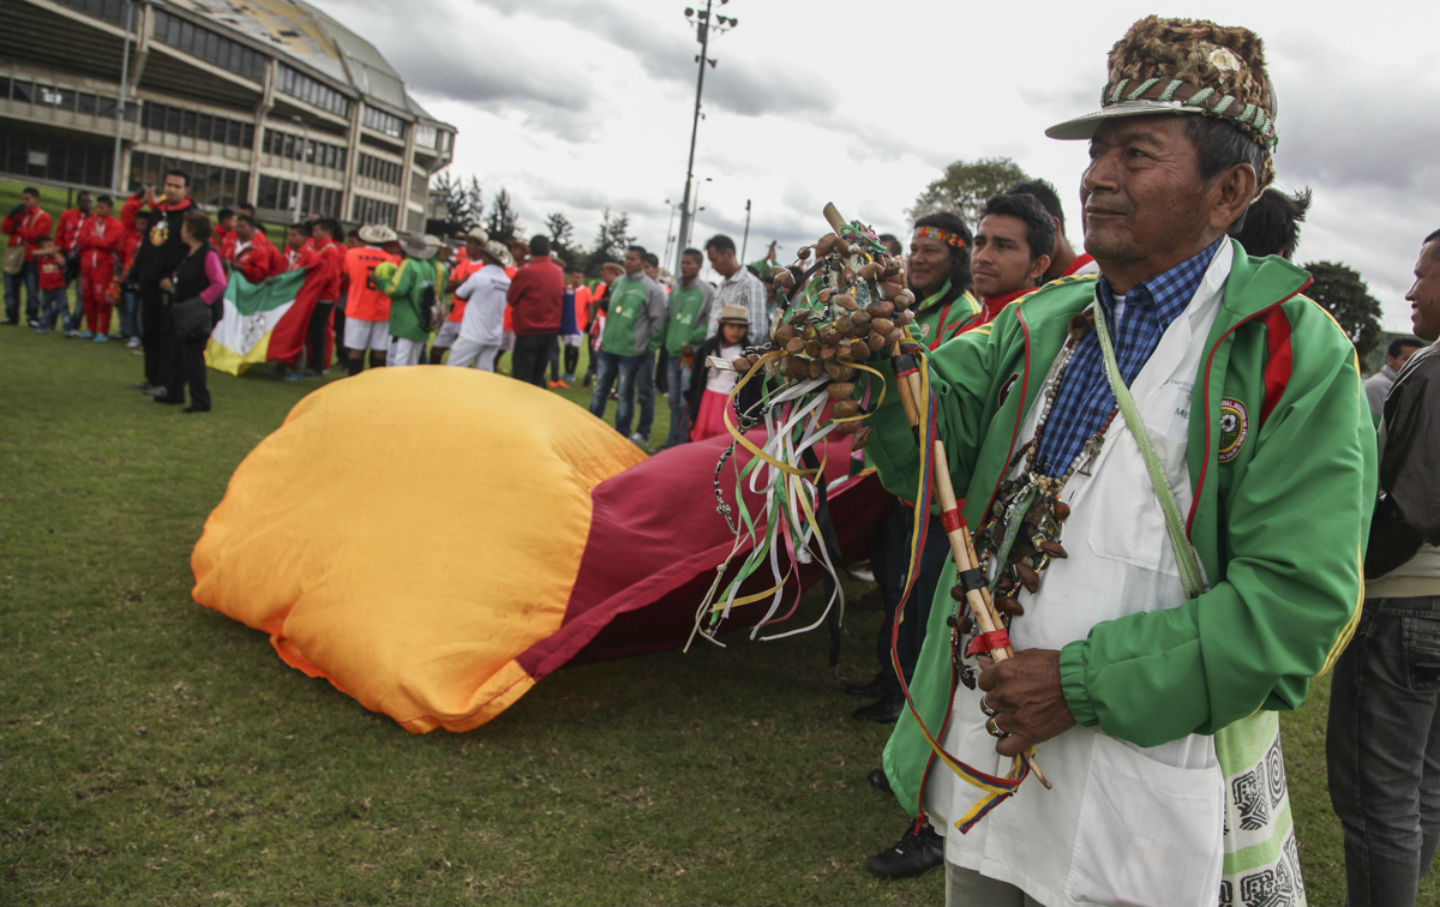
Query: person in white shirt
x,y
483,325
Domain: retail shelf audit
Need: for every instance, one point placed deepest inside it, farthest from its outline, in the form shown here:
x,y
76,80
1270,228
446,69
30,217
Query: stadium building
x,y
270,102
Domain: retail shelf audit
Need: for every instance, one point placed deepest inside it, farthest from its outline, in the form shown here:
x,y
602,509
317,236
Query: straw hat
x,y
377,235
734,313
417,247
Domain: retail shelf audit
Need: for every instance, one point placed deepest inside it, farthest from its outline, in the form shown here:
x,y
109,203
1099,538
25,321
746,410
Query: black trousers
x,y
532,354
319,329
155,336
187,366
890,558
339,332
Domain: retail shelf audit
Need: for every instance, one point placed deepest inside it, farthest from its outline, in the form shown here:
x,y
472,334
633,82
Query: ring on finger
x,y
990,712
993,729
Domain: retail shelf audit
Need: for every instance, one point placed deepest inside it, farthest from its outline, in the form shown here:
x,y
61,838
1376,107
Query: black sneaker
x,y
9,321
916,853
885,710
879,780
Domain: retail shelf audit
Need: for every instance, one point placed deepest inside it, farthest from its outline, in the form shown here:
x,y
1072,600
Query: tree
x,y
966,186
458,215
1340,291
610,242
502,223
562,239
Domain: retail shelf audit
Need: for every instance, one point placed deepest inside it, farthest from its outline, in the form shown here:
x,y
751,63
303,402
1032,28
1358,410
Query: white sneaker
x,y
639,439
133,342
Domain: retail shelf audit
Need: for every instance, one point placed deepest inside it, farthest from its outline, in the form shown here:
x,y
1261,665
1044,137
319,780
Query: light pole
x,y
669,237
703,24
118,178
694,211
746,241
300,177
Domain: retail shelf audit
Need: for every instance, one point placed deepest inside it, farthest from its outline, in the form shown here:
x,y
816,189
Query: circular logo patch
x,y
160,232
1234,426
924,331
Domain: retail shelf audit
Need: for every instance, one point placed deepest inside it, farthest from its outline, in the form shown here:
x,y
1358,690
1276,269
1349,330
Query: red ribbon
x,y
952,520
988,642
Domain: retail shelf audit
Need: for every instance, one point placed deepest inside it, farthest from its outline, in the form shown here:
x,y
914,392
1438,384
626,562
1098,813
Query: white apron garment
x,y
1124,824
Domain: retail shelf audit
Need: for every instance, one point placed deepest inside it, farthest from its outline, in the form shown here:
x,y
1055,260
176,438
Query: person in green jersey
x,y
684,333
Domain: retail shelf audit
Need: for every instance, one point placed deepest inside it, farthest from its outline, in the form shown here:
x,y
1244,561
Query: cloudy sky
x,y
582,106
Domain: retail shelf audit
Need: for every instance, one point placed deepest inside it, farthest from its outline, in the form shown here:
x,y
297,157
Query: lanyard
x,y
1185,556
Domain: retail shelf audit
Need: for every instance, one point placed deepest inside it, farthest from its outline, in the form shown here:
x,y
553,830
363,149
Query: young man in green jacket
x,y
634,327
1158,625
685,324
414,286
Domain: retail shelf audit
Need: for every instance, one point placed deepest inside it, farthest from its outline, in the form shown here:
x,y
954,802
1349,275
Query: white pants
x,y
572,339
405,352
465,352
446,335
968,888
366,335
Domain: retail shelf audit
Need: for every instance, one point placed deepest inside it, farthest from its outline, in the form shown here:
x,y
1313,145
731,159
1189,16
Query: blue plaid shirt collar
x,y
1166,294
1084,402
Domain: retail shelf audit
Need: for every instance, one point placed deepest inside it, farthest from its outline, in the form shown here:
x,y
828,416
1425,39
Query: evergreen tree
x,y
1342,293
502,223
610,242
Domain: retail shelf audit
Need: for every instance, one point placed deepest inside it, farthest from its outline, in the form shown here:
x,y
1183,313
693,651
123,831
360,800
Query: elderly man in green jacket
x,y
1183,449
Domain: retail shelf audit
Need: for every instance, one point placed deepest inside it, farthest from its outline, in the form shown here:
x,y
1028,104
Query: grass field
x,y
156,752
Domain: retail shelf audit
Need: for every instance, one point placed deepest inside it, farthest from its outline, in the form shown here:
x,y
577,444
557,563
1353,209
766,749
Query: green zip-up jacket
x,y
406,284
1279,523
635,322
689,316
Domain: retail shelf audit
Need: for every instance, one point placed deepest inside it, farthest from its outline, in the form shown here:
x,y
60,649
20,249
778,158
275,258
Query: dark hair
x,y
720,243
639,250
300,226
1220,145
245,218
144,213
1044,193
354,233
246,206
224,213
328,224
199,225
30,190
1039,228
1399,343
892,244
182,174
82,193
1431,238
694,253
959,258
105,200
1272,225
539,244
652,259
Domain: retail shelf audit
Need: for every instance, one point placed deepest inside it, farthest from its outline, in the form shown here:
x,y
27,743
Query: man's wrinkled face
x,y
1424,294
1144,203
1000,262
689,267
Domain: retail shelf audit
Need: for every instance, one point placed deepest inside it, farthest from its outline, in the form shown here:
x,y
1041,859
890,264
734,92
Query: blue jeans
x,y
53,309
76,320
1382,748
130,315
29,278
679,381
628,369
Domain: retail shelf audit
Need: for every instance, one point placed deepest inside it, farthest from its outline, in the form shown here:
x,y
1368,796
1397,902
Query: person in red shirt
x,y
300,255
50,278
252,253
99,241
535,297
223,233
26,223
323,235
367,310
67,240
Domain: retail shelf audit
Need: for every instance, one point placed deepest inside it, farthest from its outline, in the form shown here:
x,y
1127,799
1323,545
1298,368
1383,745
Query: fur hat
x,y
1187,66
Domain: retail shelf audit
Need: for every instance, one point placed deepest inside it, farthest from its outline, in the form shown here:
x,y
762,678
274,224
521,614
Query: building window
x,y
372,211
384,122
426,136
209,184
28,154
298,85
209,46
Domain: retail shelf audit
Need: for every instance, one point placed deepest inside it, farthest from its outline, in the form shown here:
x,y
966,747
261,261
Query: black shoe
x,y
9,321
871,690
879,780
165,398
196,409
916,853
885,710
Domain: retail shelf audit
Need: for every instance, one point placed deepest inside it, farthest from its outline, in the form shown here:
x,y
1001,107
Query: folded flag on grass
x,y
558,542
260,322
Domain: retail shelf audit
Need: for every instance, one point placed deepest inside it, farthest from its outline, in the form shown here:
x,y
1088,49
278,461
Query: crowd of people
x,y
1214,469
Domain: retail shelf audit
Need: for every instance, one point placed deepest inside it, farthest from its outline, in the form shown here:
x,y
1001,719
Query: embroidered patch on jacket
x,y
1234,427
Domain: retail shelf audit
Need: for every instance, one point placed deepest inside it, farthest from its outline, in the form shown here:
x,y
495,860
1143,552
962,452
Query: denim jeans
x,y
644,392
29,279
52,310
1383,748
75,319
627,369
130,315
678,378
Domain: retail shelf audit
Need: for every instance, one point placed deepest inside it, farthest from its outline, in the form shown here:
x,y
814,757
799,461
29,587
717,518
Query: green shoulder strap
x,y
1185,555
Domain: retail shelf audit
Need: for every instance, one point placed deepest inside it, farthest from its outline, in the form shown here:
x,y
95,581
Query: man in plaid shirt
x,y
740,288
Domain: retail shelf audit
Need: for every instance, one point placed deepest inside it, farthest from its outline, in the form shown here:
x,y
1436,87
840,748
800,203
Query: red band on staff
x,y
952,520
901,373
988,642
